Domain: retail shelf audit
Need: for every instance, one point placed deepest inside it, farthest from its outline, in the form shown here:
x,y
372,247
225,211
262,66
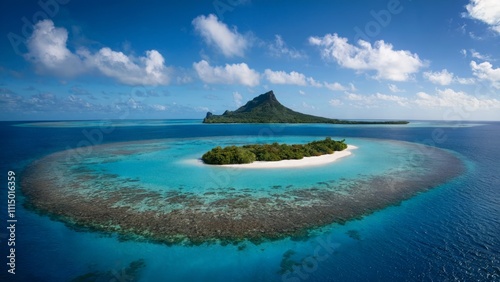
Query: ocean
x,y
446,229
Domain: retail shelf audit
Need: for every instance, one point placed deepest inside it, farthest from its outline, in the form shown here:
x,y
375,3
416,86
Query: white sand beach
x,y
304,162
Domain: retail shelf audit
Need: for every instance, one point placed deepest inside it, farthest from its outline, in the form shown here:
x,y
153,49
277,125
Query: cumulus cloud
x,y
296,78
314,82
335,86
485,71
402,101
373,100
279,48
355,97
281,77
47,49
442,99
478,55
148,70
390,64
464,80
229,74
217,34
450,98
444,77
487,11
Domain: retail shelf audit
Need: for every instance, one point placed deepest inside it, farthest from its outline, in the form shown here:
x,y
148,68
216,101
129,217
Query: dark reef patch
x,y
129,273
354,234
66,188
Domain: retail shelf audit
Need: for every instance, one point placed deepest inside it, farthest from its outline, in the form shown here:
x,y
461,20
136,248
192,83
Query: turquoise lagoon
x,y
448,231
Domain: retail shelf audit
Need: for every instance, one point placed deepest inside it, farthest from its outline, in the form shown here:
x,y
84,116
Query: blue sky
x,y
378,59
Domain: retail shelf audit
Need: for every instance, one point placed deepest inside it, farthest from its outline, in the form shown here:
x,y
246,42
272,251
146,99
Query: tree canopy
x,y
271,152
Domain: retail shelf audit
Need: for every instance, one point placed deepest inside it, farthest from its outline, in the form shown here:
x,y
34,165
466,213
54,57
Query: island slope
x,y
265,108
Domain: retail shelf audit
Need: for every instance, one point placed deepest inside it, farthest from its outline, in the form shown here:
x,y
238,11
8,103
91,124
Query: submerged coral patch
x,y
91,192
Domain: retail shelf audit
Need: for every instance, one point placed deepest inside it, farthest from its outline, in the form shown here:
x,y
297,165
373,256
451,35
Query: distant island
x,y
271,152
266,108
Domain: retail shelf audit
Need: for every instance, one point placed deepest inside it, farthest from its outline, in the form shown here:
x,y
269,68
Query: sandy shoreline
x,y
304,162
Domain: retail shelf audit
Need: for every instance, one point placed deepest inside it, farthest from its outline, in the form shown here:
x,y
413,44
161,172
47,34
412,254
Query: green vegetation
x,y
271,152
267,109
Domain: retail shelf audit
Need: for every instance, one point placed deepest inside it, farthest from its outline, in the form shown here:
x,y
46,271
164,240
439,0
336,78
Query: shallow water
x,y
151,188
449,232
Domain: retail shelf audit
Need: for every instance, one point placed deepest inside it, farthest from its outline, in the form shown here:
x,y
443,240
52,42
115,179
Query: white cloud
x,y
281,77
335,86
449,98
487,11
229,74
390,64
314,82
302,92
237,98
148,70
485,71
48,50
279,48
478,55
372,100
442,99
217,34
443,77
292,78
296,78
402,101
394,88
465,80
335,102
355,97
361,101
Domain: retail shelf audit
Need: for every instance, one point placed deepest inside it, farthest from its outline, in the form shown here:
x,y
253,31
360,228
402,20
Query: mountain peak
x,y
269,96
267,99
265,108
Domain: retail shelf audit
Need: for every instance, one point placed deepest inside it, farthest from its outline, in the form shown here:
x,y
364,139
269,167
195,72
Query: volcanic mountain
x,y
266,108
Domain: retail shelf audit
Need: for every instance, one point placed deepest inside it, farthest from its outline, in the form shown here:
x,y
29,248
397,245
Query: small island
x,y
265,108
271,152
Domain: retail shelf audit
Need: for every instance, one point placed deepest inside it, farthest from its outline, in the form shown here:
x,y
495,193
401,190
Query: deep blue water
x,y
450,233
